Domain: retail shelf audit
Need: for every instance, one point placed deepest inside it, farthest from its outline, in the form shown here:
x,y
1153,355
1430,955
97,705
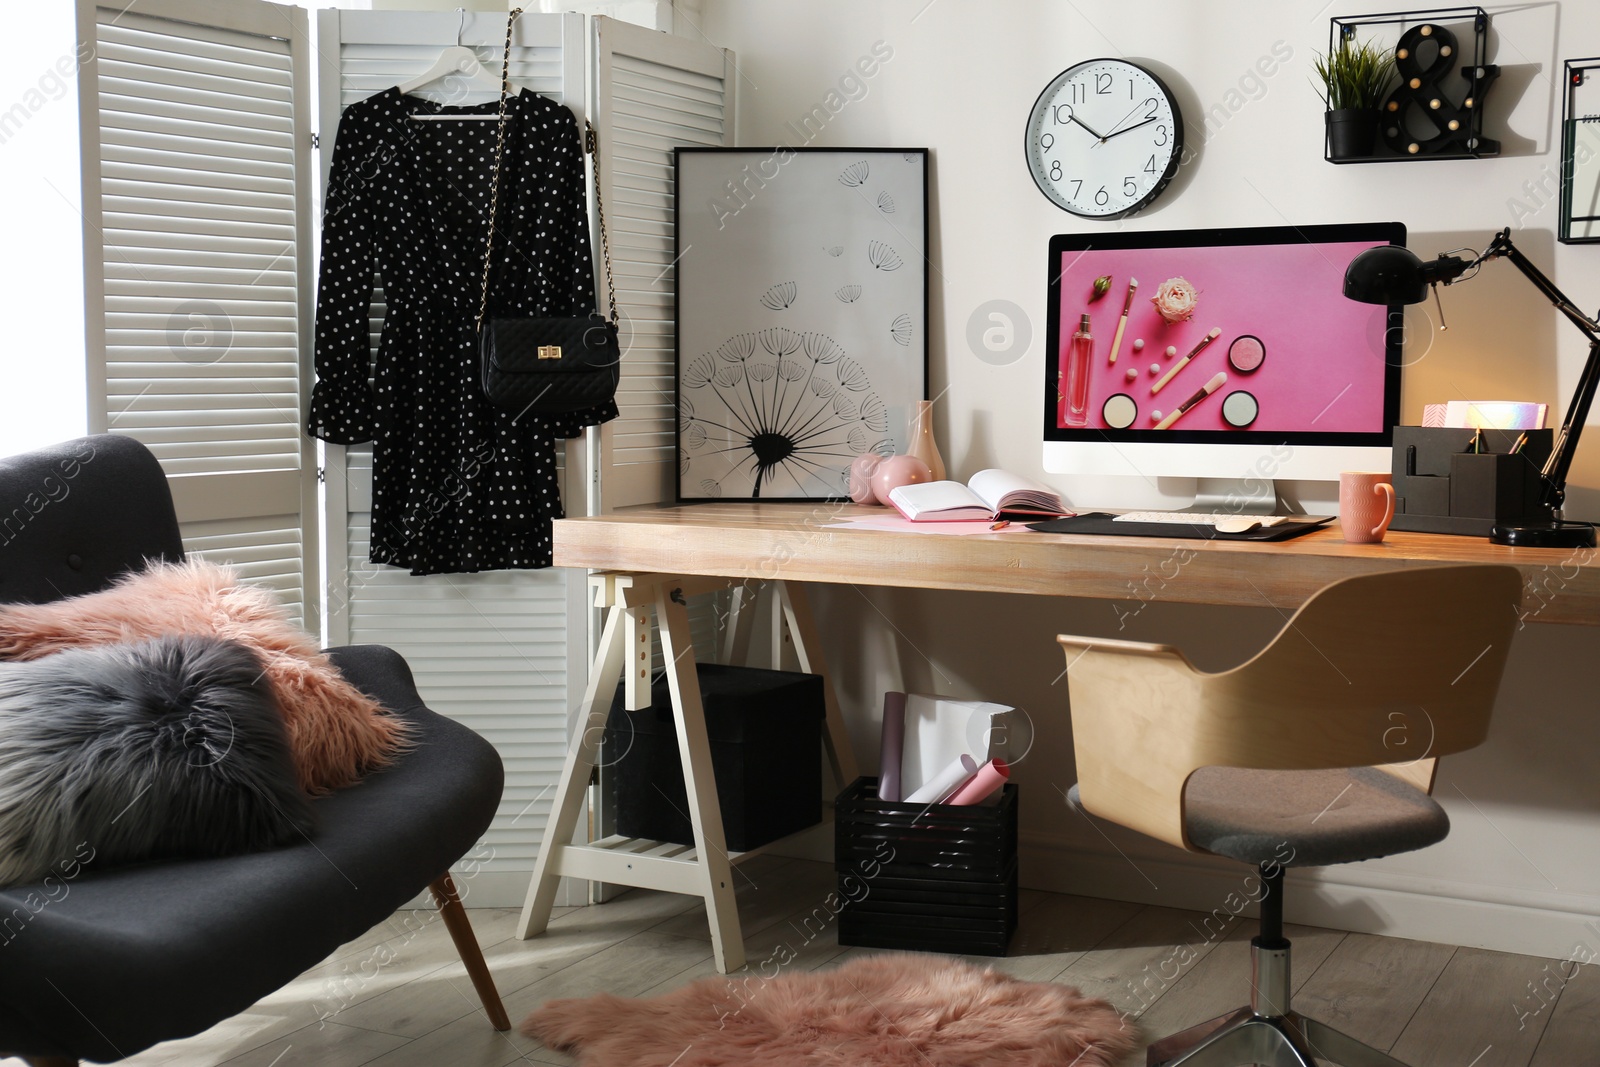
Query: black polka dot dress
x,y
457,484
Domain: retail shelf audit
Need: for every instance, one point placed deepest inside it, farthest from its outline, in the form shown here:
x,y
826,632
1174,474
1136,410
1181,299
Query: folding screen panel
x,y
195,121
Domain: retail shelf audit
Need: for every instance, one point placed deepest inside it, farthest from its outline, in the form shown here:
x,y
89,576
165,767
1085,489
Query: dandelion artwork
x,y
801,316
782,408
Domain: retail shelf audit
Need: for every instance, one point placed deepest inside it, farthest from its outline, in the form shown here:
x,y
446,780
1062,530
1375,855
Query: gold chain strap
x,y
591,145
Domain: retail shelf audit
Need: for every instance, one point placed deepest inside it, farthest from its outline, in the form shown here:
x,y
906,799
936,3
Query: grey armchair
x,y
136,955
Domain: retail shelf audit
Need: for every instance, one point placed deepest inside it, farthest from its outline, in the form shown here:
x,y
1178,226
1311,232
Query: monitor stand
x,y
1238,496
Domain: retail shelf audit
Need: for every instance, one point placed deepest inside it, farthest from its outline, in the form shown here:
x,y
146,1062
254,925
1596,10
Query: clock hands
x,y
1118,127
1072,117
1130,129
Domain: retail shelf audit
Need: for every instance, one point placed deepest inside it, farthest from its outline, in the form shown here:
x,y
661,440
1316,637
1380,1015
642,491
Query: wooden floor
x,y
398,996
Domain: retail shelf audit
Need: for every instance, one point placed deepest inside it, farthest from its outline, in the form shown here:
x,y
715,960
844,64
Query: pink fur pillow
x,y
336,732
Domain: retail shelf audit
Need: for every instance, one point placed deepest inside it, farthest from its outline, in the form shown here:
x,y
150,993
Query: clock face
x,y
1104,139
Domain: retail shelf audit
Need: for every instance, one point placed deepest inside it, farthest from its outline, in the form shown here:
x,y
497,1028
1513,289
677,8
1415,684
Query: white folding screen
x,y
200,229
501,651
653,92
195,121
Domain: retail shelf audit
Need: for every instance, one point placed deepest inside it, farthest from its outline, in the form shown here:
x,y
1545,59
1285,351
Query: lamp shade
x,y
1387,274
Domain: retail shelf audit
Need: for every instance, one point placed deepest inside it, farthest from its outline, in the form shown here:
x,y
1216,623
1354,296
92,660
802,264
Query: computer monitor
x,y
1264,371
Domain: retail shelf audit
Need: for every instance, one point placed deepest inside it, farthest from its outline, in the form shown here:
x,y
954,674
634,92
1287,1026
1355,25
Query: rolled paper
x,y
990,778
894,739
947,781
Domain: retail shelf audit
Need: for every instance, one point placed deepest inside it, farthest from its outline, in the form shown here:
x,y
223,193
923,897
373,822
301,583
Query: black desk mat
x,y
1100,522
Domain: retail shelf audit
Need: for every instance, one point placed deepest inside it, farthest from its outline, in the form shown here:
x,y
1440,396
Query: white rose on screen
x,y
1175,300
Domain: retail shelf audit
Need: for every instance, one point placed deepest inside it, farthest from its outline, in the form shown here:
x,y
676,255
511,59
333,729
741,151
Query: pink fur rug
x,y
882,1011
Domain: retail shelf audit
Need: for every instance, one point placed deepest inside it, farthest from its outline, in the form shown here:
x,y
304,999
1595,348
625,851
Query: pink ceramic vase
x,y
897,471
923,446
861,472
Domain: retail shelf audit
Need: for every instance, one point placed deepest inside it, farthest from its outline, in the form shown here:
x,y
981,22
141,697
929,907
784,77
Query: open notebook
x,y
989,494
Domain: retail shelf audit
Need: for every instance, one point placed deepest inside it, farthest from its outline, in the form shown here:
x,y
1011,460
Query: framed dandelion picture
x,y
802,316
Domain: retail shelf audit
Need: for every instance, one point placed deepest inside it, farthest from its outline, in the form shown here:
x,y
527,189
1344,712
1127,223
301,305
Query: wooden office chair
x,y
1318,750
122,958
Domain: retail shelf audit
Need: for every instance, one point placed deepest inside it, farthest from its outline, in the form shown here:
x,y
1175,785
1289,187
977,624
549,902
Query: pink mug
x,y
1366,505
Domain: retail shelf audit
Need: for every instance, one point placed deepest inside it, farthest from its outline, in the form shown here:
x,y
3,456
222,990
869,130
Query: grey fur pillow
x,y
171,747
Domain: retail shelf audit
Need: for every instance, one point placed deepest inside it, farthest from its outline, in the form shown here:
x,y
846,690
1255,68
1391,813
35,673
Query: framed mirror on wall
x,y
802,303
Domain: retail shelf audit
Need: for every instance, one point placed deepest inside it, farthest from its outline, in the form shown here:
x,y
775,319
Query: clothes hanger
x,y
457,62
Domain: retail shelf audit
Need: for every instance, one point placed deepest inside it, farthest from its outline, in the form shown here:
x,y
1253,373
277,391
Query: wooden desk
x,y
789,542
651,558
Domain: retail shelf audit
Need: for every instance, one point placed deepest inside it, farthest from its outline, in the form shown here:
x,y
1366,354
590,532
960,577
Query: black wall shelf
x,y
1449,88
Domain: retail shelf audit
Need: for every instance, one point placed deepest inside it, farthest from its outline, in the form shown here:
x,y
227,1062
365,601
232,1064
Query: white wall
x,y
1521,869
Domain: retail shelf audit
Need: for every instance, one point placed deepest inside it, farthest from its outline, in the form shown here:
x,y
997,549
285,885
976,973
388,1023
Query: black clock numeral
x,y
1061,114
1077,187
1129,186
1151,104
1162,129
1102,84
1130,88
1080,92
1102,196
1055,170
1047,141
1150,165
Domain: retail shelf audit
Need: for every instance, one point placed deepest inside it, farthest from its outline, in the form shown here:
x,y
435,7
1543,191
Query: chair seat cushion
x,y
164,950
1308,818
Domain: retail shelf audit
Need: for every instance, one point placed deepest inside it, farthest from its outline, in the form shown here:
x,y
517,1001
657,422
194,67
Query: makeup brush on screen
x,y
1210,387
1216,331
1127,303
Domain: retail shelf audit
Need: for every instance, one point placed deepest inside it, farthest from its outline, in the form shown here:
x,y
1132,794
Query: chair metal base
x,y
1243,1037
1267,1032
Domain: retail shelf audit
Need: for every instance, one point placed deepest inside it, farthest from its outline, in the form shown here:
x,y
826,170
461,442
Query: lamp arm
x,y
1577,413
1502,246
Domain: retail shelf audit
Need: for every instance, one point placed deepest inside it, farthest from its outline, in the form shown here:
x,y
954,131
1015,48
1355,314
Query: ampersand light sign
x,y
1424,59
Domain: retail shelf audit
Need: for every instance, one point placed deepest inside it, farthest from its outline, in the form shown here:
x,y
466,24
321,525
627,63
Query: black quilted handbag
x,y
546,366
549,366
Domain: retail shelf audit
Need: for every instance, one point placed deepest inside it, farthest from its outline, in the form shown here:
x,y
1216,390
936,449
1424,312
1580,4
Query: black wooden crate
x,y
927,877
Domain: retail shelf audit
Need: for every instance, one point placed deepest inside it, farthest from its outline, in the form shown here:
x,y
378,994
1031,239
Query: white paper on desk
x,y
896,524
939,731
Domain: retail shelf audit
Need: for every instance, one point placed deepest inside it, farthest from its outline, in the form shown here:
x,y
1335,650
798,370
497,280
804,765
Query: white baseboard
x,y
1351,898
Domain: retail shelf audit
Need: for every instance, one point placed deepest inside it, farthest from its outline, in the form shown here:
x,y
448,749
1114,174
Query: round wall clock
x,y
1104,139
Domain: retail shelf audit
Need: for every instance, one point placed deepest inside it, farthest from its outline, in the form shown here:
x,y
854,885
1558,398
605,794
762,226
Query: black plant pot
x,y
1352,132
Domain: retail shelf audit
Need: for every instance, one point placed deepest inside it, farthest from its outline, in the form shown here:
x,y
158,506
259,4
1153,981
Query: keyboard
x,y
1197,518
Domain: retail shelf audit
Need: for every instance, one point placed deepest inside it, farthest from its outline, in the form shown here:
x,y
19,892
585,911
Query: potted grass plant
x,y
1355,78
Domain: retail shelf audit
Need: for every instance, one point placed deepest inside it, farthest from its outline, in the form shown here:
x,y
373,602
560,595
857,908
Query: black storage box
x,y
1440,487
931,878
765,729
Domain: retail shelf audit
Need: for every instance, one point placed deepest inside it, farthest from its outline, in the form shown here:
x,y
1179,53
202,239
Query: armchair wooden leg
x,y
460,927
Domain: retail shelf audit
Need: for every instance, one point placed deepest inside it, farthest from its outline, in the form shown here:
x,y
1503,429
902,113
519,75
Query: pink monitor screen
x,y
1241,334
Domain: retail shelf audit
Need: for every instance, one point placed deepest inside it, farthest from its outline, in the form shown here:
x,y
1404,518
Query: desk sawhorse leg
x,y
624,654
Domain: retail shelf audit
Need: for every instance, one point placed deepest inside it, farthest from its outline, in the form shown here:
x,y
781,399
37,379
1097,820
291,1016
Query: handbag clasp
x,y
549,351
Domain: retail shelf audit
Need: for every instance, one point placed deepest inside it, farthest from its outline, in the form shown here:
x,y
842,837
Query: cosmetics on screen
x,y
1247,353
1239,409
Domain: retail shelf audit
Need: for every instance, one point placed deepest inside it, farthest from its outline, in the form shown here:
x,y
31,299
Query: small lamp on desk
x,y
1392,274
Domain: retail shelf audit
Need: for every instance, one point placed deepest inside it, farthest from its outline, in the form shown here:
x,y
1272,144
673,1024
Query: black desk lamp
x,y
1391,274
